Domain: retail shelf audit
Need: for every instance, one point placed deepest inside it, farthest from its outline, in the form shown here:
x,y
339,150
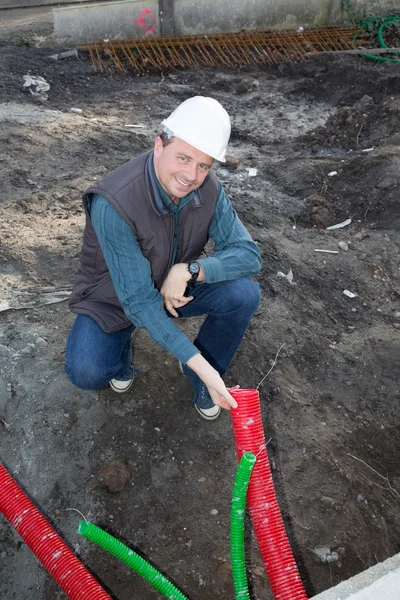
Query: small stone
x,y
255,83
360,499
332,557
114,476
361,235
242,87
366,100
343,246
349,294
213,512
363,404
231,162
396,325
28,349
323,554
328,501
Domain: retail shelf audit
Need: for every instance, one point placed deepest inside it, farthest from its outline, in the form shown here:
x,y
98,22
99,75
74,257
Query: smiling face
x,y
180,168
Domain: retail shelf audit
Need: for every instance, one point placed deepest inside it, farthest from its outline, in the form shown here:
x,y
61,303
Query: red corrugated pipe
x,y
265,514
62,564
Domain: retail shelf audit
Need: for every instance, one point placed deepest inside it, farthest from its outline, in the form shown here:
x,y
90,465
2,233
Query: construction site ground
x,y
318,143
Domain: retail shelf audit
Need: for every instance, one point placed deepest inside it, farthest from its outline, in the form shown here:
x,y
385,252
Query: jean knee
x,y
253,296
245,295
82,377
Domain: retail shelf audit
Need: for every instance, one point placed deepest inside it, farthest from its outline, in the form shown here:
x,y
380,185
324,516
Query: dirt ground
x,y
330,405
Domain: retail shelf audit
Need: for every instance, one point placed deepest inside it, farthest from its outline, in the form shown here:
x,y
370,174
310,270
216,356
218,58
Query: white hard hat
x,y
203,123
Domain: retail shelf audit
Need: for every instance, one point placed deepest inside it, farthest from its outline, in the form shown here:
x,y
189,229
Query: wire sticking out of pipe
x,y
55,556
265,514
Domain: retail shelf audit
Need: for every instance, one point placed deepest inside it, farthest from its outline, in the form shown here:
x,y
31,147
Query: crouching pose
x,y
142,262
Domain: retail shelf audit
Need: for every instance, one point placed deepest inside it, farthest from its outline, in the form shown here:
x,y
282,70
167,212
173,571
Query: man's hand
x,y
213,381
174,287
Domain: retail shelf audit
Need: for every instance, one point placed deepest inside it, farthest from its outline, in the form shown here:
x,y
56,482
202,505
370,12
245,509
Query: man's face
x,y
180,168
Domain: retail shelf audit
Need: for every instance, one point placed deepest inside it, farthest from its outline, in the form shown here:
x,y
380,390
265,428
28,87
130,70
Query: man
x,y
147,224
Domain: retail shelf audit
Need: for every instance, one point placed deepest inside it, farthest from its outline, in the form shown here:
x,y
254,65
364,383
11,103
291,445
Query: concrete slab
x,y
381,581
26,22
113,20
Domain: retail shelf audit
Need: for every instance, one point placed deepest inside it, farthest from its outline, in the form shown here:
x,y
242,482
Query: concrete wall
x,y
376,7
217,16
112,20
142,18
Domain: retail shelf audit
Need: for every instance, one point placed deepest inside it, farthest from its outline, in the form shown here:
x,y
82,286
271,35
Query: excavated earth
x,y
324,138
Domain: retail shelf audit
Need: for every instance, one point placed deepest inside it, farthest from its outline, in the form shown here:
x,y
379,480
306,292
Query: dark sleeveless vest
x,y
133,193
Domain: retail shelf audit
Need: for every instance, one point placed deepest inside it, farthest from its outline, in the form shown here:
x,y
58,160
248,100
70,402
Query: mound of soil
x,y
357,127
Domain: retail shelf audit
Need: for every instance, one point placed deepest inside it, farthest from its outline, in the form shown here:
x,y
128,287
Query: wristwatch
x,y
194,270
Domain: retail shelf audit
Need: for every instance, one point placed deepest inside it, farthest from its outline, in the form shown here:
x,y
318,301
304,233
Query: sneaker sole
x,y
206,417
118,391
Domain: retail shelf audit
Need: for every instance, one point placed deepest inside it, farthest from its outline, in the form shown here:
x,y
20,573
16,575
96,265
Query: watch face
x,y
194,268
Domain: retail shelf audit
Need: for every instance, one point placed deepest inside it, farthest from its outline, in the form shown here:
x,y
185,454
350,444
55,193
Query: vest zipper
x,y
182,222
175,240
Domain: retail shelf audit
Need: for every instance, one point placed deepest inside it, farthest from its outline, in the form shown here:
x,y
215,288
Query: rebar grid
x,y
231,50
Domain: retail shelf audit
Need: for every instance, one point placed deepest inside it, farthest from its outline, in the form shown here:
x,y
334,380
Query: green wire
x,y
237,526
132,559
387,21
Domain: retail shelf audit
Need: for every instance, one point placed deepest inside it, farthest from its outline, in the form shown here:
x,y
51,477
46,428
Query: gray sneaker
x,y
210,414
121,386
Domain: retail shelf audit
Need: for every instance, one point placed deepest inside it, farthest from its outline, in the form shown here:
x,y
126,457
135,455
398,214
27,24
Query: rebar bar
x,y
230,50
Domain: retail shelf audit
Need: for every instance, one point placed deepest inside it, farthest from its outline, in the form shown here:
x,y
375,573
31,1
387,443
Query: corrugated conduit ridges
x,y
238,512
132,559
265,514
55,556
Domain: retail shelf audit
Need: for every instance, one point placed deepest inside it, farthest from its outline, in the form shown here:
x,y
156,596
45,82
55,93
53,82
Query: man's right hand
x,y
213,382
174,287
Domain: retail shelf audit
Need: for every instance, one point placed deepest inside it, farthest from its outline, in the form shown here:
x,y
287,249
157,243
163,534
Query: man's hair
x,y
166,137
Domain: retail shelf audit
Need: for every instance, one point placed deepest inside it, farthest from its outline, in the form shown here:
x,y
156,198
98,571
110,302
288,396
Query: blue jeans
x,y
93,357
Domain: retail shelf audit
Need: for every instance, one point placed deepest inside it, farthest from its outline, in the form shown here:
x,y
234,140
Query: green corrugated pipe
x,y
238,510
388,21
132,559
